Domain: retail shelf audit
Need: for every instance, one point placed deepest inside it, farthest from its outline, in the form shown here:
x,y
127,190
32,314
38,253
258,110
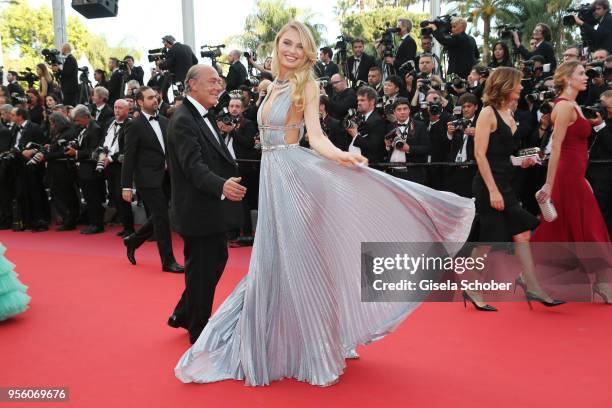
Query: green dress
x,y
13,297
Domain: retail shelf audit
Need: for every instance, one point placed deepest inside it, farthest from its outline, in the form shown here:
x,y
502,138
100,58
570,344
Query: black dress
x,y
500,226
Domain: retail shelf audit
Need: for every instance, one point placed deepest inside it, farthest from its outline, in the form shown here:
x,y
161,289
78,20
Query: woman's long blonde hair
x,y
304,74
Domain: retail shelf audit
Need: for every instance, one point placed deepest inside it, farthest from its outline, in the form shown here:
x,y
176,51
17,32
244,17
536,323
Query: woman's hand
x,y
351,159
544,194
530,161
497,201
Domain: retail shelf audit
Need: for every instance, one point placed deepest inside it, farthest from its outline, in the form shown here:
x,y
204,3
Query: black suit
x,y
600,38
144,163
91,181
105,117
459,179
136,73
371,140
7,178
600,175
199,166
115,87
341,102
69,78
405,52
440,148
419,147
336,133
546,50
236,76
15,88
462,52
363,68
178,60
113,173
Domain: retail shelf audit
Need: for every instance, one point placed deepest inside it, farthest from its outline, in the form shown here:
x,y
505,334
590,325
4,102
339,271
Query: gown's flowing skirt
x,y
298,312
13,297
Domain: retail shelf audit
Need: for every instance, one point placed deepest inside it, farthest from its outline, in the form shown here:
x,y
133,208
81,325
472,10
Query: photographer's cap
x,y
169,39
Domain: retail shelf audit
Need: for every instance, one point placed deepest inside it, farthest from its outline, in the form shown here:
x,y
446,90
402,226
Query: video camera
x,y
28,76
52,56
211,51
17,99
442,23
341,42
584,12
590,112
386,40
248,54
157,54
406,68
505,30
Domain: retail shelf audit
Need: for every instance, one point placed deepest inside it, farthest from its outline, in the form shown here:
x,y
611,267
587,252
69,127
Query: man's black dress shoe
x,y
124,233
66,227
173,267
131,250
92,229
174,321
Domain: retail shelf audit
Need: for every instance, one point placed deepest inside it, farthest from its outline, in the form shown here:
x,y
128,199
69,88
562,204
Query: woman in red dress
x,y
579,218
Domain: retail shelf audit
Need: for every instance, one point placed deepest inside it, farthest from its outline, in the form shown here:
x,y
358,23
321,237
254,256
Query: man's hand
x,y
352,131
27,153
127,195
405,148
70,151
471,131
433,27
597,120
578,20
232,189
225,128
515,38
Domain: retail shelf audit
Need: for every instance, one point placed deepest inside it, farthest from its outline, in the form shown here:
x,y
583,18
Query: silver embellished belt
x,y
279,147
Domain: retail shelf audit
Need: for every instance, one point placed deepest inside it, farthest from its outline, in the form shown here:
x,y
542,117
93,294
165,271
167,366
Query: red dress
x,y
580,218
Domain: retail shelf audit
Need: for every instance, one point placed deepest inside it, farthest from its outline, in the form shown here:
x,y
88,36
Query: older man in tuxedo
x,y
206,195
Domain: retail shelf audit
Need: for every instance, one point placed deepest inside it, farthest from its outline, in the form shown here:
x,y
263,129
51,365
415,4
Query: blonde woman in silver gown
x,y
298,312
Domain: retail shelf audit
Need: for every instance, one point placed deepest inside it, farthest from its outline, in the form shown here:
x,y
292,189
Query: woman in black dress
x,y
501,217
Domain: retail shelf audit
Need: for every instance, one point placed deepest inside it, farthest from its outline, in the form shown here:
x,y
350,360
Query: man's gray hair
x,y
193,73
405,23
133,83
7,107
80,111
101,92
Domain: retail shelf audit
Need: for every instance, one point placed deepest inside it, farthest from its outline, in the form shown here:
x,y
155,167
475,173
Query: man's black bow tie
x,y
154,118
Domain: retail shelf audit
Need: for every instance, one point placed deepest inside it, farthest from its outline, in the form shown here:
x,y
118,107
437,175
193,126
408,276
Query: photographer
x,y
343,97
500,56
461,48
31,194
407,48
329,67
408,142
101,111
116,82
266,67
178,60
460,133
13,86
62,172
602,36
237,74
359,63
91,182
133,72
422,82
600,148
375,79
332,127
114,141
69,77
368,136
597,84
7,176
427,46
436,119
543,36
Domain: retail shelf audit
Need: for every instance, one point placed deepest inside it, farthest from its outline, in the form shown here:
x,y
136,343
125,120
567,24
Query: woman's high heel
x,y
485,308
602,294
519,282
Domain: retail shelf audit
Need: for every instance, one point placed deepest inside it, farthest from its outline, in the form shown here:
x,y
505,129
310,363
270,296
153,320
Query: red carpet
x,y
97,325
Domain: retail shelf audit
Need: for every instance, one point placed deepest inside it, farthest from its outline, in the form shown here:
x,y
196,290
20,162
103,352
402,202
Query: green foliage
x,y
367,24
266,21
26,31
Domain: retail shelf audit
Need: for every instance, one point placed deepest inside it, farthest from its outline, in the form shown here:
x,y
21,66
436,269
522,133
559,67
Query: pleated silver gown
x,y
298,312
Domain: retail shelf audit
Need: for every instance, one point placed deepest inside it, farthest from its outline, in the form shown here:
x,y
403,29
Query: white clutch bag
x,y
549,212
525,154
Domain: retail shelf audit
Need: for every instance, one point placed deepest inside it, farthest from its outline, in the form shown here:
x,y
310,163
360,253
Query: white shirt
x,y
158,132
462,154
355,149
399,155
20,133
111,140
99,110
203,111
229,142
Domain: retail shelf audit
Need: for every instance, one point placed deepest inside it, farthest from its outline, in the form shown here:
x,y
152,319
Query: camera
x,y
406,68
590,112
100,155
252,82
386,40
460,124
342,41
52,56
157,54
248,54
434,108
9,155
442,23
505,31
595,69
456,82
122,65
323,81
28,76
384,106
227,119
17,99
585,13
211,51
353,119
397,138
37,149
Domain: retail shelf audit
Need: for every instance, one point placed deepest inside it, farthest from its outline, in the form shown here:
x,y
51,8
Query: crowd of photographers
x,y
412,114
